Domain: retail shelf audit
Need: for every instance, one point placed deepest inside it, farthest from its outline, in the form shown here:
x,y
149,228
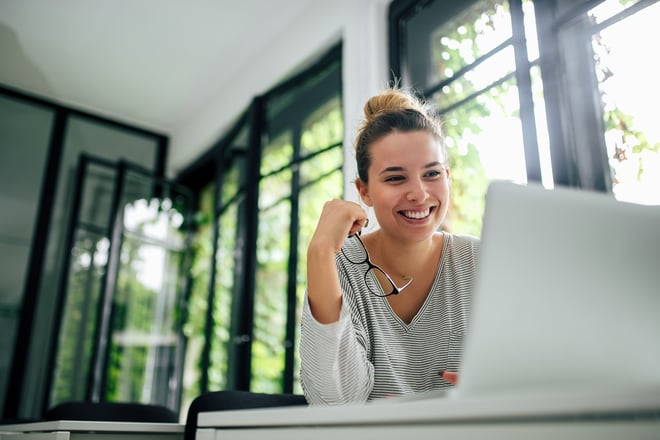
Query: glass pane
x,y
89,257
475,158
321,165
145,327
194,328
274,188
531,36
301,122
627,83
277,154
109,142
272,268
321,180
226,261
312,199
99,140
24,141
230,185
609,8
543,138
442,37
103,141
146,318
323,128
468,36
477,79
96,197
271,296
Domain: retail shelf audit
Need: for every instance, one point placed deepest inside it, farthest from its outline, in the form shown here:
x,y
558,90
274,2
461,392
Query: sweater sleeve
x,y
334,366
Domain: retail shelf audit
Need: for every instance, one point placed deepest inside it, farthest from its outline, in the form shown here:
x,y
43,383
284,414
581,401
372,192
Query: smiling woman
x,y
363,337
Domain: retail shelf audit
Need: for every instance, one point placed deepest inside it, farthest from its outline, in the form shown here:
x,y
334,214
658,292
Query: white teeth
x,y
417,214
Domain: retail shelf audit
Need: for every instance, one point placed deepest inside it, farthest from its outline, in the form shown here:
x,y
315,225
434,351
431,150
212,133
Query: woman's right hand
x,y
339,219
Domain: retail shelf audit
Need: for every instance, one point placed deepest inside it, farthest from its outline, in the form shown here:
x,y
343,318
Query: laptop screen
x,y
567,294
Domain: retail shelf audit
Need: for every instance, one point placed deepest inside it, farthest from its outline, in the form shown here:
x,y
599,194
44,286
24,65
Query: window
x,y
264,186
626,82
300,169
46,140
533,91
119,330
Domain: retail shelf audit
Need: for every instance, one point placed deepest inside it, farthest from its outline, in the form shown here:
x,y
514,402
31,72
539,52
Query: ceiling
x,y
153,63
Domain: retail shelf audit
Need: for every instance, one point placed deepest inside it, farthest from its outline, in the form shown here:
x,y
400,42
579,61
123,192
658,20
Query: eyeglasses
x,y
376,283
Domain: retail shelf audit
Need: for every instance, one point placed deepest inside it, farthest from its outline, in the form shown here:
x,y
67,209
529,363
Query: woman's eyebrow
x,y
391,170
399,169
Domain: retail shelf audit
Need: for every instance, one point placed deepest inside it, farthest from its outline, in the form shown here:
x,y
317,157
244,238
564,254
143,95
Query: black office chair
x,y
111,412
230,400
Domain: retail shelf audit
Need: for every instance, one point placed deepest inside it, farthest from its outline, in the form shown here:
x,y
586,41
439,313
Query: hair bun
x,y
388,111
391,100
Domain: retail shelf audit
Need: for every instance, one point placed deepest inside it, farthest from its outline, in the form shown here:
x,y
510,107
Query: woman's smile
x,y
417,214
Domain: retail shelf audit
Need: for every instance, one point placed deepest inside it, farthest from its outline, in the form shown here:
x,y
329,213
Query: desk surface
x,y
514,407
90,426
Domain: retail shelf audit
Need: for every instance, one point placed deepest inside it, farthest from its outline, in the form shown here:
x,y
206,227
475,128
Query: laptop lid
x,y
567,294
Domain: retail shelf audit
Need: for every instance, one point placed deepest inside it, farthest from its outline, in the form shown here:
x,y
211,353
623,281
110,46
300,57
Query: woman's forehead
x,y
412,148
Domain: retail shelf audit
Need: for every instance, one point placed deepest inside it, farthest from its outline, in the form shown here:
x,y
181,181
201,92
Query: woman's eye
x,y
394,178
434,173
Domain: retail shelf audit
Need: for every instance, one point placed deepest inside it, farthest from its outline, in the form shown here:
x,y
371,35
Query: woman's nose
x,y
416,191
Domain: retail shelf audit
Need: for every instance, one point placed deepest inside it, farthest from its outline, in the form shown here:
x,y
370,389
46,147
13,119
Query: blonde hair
x,y
391,110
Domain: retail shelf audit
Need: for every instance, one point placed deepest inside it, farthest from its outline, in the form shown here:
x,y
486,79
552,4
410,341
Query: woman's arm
x,y
338,220
334,366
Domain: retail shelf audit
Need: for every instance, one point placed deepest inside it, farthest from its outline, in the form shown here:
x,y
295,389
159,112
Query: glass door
x,y
121,337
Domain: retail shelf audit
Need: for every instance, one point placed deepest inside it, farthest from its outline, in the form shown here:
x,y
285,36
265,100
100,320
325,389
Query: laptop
x,y
567,295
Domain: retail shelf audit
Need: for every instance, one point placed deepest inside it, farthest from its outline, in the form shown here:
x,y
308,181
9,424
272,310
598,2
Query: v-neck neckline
x,y
409,326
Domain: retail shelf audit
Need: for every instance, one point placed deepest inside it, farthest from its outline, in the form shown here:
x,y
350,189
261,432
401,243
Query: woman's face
x,y
408,184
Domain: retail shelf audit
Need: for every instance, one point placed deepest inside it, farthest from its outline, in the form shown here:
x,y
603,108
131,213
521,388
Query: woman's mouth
x,y
417,214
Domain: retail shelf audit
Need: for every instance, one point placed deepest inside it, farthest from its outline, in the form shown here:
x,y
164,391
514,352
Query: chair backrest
x,y
231,400
111,412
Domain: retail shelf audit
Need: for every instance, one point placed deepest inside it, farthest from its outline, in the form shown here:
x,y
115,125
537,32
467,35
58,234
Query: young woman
x,y
385,312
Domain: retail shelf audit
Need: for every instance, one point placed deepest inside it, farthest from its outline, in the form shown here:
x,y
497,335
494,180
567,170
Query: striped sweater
x,y
370,352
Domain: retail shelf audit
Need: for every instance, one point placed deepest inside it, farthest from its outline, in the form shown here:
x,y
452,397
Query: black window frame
x,y
579,157
209,168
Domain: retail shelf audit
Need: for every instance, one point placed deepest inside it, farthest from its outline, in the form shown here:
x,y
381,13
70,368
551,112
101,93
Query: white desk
x,y
628,416
84,430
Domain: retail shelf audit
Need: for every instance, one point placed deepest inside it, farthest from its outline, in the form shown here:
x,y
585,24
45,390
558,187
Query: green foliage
x,y
225,268
324,129
145,317
197,305
78,323
455,45
621,126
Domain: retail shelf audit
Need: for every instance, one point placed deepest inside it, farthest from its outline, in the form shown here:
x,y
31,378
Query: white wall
x,y
362,27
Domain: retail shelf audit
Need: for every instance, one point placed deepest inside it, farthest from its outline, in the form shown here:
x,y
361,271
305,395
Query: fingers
x,y
450,376
357,226
339,219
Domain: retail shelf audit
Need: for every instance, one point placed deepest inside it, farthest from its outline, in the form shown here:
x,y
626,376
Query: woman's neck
x,y
403,257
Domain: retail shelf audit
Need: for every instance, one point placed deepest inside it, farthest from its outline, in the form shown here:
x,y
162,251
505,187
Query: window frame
x,y
574,120
210,168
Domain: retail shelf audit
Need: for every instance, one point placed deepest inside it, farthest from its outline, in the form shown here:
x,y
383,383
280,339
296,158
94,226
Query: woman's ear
x,y
363,189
